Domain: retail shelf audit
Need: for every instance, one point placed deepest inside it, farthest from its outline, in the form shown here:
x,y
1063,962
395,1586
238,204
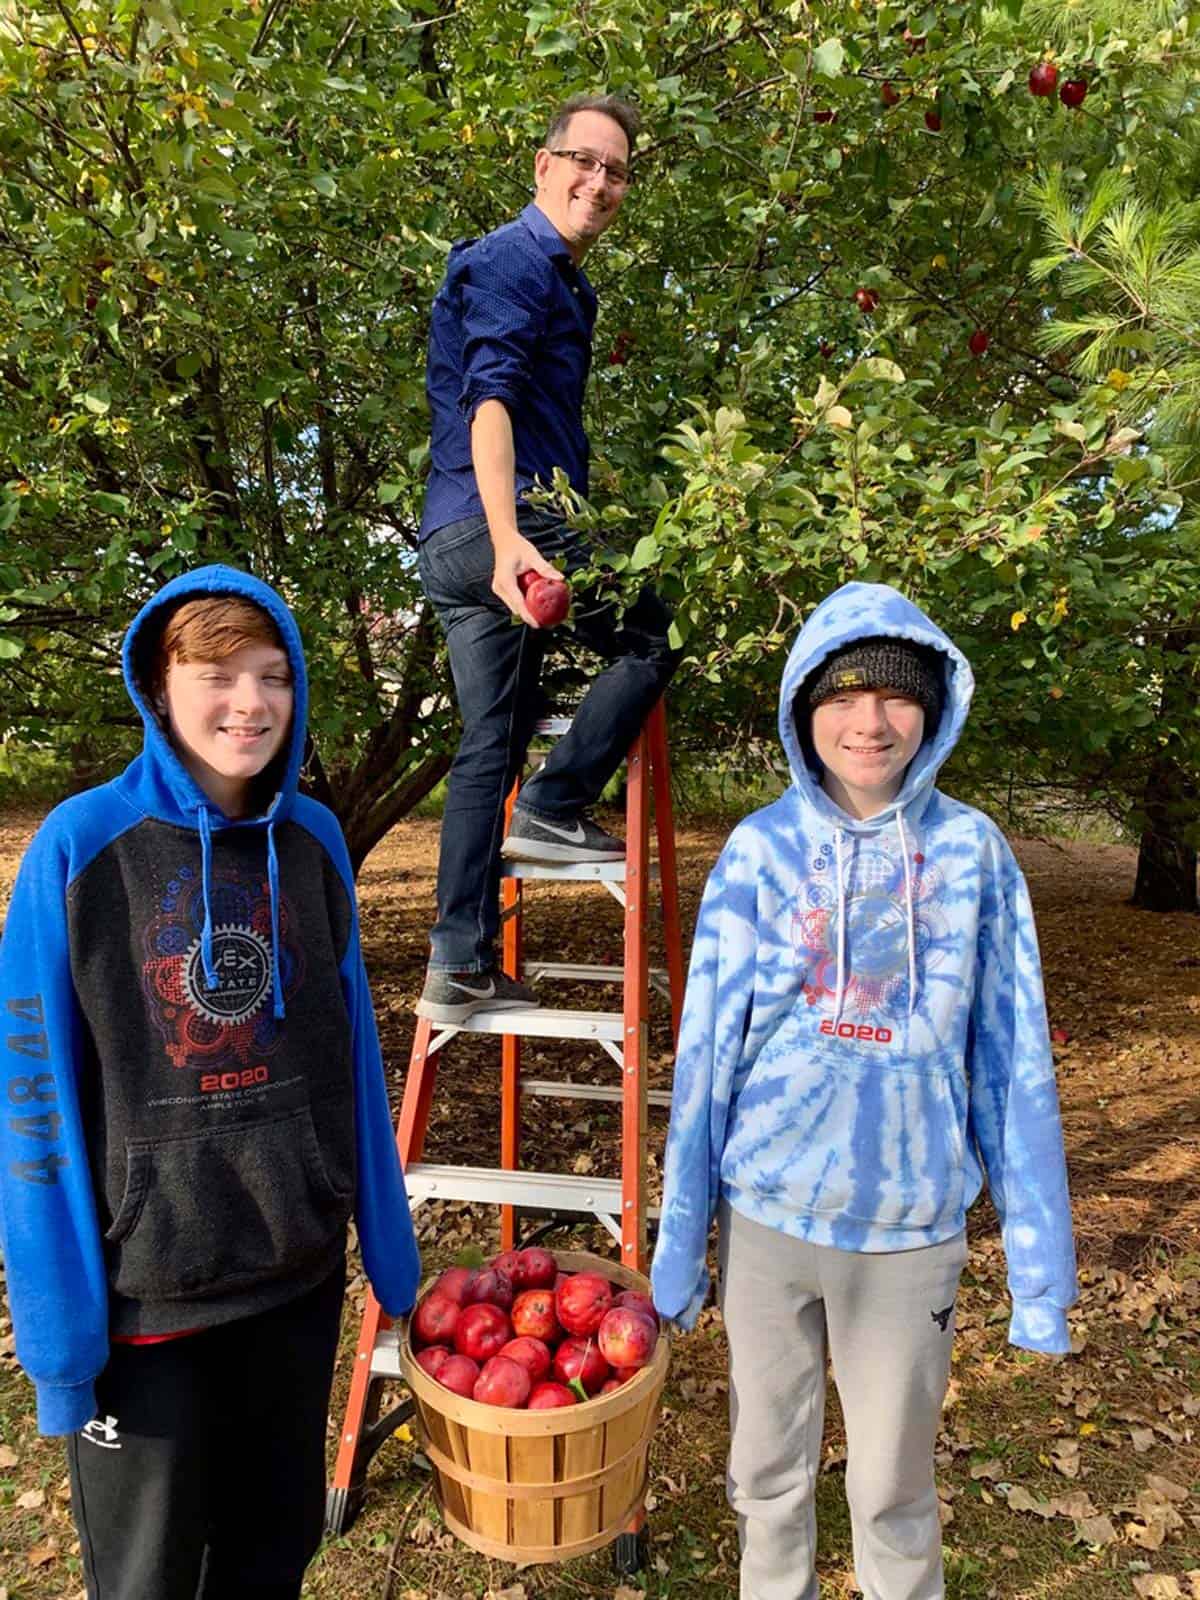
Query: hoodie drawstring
x,y
206,936
841,916
273,890
909,919
206,933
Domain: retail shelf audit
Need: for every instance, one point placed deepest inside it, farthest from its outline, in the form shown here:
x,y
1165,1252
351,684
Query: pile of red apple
x,y
523,1334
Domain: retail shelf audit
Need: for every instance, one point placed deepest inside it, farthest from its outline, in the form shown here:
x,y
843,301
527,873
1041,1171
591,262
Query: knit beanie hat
x,y
883,662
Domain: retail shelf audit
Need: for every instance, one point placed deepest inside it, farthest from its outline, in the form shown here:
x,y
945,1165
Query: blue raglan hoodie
x,y
193,1092
864,1032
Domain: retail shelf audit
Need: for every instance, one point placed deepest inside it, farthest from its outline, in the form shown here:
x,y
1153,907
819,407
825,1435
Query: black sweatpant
x,y
203,1475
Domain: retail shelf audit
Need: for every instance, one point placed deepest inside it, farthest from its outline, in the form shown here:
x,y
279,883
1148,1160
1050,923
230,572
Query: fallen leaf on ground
x,y
1095,1530
988,1469
41,1554
1157,1586
1165,1488
624,1592
1020,1499
1142,1439
8,1458
1065,1457
31,1500
515,1591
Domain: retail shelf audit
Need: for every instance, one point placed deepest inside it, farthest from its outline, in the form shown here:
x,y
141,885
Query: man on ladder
x,y
509,353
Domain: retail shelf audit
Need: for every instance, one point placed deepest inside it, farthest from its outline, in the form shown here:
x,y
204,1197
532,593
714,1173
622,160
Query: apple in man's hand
x,y
548,599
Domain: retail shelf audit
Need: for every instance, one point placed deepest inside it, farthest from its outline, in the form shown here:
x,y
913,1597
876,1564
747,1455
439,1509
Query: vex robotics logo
x,y
232,1024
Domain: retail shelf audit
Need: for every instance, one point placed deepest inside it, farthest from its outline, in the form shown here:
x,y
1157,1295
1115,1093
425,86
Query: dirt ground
x,y
1072,1480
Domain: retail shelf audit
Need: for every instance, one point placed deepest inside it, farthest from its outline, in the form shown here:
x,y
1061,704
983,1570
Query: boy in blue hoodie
x,y
864,1038
194,1104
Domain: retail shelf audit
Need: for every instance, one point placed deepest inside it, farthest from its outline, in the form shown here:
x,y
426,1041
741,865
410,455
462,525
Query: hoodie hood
x,y
860,611
162,785
159,784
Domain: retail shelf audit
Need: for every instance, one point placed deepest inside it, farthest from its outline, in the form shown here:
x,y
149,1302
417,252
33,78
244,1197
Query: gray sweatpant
x,y
887,1322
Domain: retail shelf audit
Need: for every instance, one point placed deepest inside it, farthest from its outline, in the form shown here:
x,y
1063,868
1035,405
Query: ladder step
x,y
570,871
547,1089
541,1022
385,1358
584,973
552,727
531,1191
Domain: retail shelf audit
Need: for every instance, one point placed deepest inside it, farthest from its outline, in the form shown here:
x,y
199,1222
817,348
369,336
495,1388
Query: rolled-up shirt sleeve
x,y
505,299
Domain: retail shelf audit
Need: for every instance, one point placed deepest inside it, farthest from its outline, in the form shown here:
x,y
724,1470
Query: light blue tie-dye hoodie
x,y
864,1033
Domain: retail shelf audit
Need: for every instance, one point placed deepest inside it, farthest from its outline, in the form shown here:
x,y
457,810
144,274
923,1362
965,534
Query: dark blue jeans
x,y
496,664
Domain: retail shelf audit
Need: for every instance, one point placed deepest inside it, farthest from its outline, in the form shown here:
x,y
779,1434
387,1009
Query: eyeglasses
x,y
584,161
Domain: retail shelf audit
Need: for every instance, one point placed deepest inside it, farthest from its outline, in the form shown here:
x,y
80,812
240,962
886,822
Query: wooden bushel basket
x,y
530,1486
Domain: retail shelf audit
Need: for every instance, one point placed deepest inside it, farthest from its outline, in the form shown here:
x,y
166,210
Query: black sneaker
x,y
454,996
533,838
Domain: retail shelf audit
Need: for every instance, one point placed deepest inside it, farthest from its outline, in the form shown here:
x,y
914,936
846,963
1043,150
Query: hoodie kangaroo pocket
x,y
853,1139
209,1212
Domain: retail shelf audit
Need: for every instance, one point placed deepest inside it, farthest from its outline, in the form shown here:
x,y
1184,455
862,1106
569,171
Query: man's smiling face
x,y
582,204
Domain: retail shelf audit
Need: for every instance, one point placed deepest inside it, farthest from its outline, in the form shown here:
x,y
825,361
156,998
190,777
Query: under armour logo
x,y
942,1318
103,1431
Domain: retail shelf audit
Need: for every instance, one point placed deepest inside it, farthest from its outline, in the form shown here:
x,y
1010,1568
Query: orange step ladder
x,y
619,1204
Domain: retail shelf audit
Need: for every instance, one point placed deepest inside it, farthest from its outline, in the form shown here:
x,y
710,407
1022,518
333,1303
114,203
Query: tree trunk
x,y
1166,869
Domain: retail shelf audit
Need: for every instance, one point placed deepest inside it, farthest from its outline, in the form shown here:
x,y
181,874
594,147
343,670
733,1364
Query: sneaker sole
x,y
554,854
447,1014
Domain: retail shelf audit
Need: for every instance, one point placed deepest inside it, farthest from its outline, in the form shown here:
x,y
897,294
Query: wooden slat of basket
x,y
530,1469
449,1439
582,1455
532,1488
623,1436
488,1456
539,1553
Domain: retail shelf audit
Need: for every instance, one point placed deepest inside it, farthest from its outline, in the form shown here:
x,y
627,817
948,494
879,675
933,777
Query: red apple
x,y
825,349
978,342
483,1330
532,1354
866,300
1043,79
1074,92
626,1337
579,1358
502,1383
637,1301
533,1315
610,1384
890,95
1060,1036
435,1318
623,1374
933,122
458,1373
509,1261
455,1282
914,43
432,1359
582,1301
825,116
549,1396
548,599
491,1287
538,1269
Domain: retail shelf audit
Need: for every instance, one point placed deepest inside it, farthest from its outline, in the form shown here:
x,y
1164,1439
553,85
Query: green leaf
x,y
828,58
324,183
97,401
645,553
189,365
114,505
10,648
387,492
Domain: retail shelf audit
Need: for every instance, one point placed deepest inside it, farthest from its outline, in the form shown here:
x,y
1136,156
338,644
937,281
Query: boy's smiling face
x,y
865,739
228,719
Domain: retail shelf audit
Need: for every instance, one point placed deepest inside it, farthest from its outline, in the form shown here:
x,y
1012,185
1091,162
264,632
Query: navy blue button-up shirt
x,y
513,322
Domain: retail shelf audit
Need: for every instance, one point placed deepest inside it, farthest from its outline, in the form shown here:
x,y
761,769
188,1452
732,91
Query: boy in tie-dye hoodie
x,y
864,1039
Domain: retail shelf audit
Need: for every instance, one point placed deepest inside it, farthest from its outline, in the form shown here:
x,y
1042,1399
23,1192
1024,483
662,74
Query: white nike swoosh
x,y
573,835
479,994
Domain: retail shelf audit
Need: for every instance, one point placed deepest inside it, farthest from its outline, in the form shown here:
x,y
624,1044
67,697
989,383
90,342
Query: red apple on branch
x,y
1043,79
933,122
1074,92
866,300
890,95
978,342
